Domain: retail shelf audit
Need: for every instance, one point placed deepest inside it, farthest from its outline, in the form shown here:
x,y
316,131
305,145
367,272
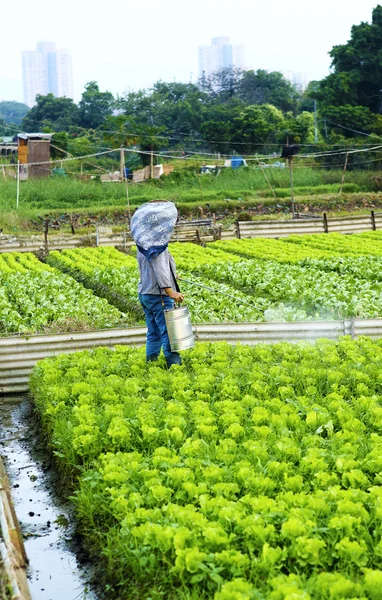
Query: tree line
x,y
231,111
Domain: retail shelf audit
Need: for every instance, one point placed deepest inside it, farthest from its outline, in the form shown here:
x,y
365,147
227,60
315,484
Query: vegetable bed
x,y
35,297
247,473
316,277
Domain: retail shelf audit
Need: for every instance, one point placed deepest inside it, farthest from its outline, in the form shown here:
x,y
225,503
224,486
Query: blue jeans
x,y
157,335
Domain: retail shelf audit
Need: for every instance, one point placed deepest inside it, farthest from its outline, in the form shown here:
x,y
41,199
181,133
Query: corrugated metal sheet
x,y
246,229
370,327
350,224
18,355
12,551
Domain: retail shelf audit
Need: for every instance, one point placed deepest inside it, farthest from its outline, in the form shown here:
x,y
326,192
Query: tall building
x,y
46,70
219,55
299,80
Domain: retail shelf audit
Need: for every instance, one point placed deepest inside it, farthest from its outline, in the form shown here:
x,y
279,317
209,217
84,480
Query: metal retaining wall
x,y
18,355
12,551
200,234
272,229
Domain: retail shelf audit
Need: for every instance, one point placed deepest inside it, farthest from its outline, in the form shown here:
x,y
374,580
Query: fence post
x,y
71,224
238,234
373,223
344,172
325,221
97,237
46,229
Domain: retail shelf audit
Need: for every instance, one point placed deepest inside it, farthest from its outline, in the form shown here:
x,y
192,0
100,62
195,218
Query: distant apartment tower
x,y
46,70
220,55
299,80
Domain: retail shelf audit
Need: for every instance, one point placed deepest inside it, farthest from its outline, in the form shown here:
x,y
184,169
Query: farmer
x,y
151,227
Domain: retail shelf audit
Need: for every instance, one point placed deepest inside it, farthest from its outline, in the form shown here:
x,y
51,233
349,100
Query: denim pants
x,y
157,335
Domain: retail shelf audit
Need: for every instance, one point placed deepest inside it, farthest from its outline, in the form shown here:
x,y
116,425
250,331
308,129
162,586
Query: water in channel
x,y
54,572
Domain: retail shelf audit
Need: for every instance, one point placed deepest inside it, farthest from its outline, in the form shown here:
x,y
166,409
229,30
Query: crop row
x,y
269,279
115,276
37,298
297,278
248,473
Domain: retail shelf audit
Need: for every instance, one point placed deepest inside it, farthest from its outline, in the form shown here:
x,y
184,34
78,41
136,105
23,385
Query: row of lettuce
x,y
248,473
297,278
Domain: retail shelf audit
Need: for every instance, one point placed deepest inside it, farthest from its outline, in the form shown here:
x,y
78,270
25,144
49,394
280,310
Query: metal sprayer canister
x,y
179,328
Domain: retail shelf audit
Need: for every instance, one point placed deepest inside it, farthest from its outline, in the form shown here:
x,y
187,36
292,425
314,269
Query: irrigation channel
x,y
54,572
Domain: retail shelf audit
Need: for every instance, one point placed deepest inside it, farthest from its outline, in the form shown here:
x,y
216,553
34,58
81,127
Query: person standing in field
x,y
151,226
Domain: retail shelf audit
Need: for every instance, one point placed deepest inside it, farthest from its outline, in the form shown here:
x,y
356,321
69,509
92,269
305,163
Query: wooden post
x,y
290,159
238,234
71,224
122,163
267,180
343,174
151,165
373,223
18,185
46,229
325,220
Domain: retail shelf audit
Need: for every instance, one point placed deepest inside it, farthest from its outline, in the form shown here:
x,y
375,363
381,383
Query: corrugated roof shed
x,y
35,136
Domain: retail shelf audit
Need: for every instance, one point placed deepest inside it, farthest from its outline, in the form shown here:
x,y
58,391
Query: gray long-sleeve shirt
x,y
156,274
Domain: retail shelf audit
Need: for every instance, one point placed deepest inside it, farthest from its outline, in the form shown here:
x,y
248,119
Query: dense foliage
x,y
38,298
248,473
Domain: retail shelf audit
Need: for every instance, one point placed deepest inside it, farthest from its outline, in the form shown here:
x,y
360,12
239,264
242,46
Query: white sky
x,y
125,44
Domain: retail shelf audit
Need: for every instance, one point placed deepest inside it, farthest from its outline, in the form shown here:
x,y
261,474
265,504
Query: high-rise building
x,y
219,55
46,70
299,80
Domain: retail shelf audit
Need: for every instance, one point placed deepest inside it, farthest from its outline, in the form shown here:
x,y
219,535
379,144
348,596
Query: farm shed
x,y
34,151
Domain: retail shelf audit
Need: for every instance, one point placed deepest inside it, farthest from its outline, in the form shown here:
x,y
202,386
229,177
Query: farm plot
x,y
114,275
38,298
362,244
247,473
330,289
271,280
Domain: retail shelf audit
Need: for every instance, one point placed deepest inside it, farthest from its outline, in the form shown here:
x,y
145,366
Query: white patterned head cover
x,y
152,226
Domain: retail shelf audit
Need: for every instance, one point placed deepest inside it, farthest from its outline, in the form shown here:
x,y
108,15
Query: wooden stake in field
x,y
122,163
266,178
344,172
290,160
18,185
289,152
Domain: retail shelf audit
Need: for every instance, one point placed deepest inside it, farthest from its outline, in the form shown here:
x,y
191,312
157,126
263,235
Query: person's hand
x,y
177,296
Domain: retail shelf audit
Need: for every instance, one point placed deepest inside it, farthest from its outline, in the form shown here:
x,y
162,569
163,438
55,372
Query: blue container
x,y
236,162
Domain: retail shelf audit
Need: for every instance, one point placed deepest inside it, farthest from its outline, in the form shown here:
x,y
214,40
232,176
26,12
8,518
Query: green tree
x,y
218,126
173,107
349,121
13,112
223,85
298,129
261,87
357,76
49,112
257,125
94,106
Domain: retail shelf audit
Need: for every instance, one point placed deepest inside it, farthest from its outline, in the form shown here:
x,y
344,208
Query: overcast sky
x,y
125,44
